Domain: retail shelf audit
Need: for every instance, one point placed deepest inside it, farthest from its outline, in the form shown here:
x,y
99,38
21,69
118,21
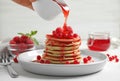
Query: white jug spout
x,y
47,9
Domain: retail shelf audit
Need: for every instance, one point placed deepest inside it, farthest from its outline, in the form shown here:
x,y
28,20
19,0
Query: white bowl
x,y
25,59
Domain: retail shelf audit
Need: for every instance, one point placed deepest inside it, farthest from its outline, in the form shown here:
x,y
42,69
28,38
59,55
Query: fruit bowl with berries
x,y
22,43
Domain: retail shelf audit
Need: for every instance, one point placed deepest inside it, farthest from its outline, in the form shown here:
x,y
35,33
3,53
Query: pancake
x,y
61,58
63,62
61,50
61,53
59,43
62,40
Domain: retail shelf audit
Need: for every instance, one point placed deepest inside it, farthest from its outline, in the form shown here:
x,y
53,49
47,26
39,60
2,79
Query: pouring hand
x,y
26,3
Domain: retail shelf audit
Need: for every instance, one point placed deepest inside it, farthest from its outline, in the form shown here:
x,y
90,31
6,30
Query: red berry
x,y
75,35
69,29
59,35
29,41
24,38
12,42
47,62
16,39
110,58
54,33
116,60
59,30
115,56
85,60
89,58
67,62
22,47
15,59
76,62
108,55
70,36
42,61
38,57
65,35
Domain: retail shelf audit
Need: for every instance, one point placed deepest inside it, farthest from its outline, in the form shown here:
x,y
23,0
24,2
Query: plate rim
x,y
81,64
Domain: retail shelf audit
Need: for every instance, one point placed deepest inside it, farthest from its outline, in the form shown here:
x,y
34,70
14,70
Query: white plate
x,y
62,69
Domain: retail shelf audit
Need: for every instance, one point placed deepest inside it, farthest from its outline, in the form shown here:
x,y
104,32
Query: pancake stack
x,y
62,50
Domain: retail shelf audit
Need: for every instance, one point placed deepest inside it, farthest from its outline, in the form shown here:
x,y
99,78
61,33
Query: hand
x,y
26,3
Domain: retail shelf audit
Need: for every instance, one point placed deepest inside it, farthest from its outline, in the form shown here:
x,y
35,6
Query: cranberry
x,y
67,62
89,58
54,33
12,42
85,60
59,30
70,36
108,55
75,35
59,35
115,56
116,60
110,58
76,62
15,59
65,35
47,62
24,38
16,39
29,41
38,57
42,61
69,29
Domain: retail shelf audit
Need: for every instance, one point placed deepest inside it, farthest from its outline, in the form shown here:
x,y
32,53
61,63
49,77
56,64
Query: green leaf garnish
x,y
30,35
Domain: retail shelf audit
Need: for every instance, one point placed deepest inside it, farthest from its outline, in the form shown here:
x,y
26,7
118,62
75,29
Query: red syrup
x,y
65,10
98,44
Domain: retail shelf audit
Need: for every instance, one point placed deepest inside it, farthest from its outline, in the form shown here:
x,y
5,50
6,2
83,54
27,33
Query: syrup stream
x,y
65,10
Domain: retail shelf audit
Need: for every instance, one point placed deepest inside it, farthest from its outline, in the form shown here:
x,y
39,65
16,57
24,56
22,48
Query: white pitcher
x,y
47,9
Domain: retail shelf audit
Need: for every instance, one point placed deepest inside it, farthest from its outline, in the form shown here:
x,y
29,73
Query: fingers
x,y
32,0
26,3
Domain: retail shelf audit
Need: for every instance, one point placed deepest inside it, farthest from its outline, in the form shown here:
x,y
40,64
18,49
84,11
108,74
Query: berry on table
x,y
38,57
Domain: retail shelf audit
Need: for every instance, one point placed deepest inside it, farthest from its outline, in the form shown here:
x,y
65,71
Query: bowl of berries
x,y
22,43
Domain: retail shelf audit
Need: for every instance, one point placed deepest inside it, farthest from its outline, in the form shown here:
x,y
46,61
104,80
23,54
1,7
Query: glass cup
x,y
98,41
20,48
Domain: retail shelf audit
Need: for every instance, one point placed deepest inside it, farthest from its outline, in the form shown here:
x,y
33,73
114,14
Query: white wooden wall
x,y
85,16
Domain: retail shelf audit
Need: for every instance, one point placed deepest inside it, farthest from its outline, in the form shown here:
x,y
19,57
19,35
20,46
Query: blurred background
x,y
85,16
